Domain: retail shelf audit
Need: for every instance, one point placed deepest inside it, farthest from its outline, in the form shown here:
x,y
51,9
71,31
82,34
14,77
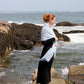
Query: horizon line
x,y
36,11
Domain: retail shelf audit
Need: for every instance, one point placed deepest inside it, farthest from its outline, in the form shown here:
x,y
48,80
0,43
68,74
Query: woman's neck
x,y
48,24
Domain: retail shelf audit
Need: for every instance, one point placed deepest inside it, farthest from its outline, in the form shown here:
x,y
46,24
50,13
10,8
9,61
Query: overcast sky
x,y
41,5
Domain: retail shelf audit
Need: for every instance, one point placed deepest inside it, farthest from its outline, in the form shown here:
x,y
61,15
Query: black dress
x,y
44,67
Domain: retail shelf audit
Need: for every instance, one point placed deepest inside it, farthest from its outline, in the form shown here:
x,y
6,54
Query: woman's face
x,y
52,21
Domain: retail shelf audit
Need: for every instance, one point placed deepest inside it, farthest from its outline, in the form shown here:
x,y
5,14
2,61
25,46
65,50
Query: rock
x,y
26,35
74,31
80,24
65,24
21,37
5,25
22,44
61,37
3,29
55,78
2,43
76,74
30,35
5,38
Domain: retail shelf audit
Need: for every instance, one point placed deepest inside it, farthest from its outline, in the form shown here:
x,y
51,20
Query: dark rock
x,y
74,31
65,24
32,33
5,37
21,44
24,36
80,24
2,44
61,37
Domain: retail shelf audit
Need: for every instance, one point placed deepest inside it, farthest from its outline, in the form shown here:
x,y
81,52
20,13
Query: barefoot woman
x,y
49,40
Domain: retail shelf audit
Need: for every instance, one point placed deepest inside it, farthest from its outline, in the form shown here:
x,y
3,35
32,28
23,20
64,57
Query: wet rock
x,y
80,24
76,74
22,44
2,43
55,78
26,35
30,33
21,37
5,38
65,24
74,31
61,37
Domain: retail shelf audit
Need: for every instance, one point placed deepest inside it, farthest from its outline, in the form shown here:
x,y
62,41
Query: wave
x,y
76,37
39,24
64,72
81,64
16,22
2,74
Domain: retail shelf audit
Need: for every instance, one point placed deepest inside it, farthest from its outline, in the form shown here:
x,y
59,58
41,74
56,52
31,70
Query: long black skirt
x,y
44,71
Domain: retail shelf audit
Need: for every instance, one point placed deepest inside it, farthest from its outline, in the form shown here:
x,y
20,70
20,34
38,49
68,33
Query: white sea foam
x,y
30,82
2,74
68,28
81,63
64,71
12,70
26,82
15,22
11,53
76,37
23,51
39,24
1,68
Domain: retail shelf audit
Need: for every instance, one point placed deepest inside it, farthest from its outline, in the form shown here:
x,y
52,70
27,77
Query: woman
x,y
49,40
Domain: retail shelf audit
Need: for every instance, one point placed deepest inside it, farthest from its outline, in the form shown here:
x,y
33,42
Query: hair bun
x,y
47,17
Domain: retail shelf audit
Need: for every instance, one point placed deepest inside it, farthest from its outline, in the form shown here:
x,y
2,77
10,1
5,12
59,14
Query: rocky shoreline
x,y
21,37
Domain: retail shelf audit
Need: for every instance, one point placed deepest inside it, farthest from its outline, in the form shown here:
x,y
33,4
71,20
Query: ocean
x,y
24,62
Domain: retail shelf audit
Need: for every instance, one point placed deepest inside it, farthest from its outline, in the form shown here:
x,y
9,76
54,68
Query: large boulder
x,y
76,74
55,77
26,35
5,38
30,34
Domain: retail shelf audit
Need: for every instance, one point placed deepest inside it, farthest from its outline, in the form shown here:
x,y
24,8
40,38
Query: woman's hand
x,y
56,38
56,45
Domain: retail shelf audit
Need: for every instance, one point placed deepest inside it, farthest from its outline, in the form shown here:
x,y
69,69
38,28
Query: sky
x,y
42,5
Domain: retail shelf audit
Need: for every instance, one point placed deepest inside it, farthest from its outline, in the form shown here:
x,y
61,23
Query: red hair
x,y
48,17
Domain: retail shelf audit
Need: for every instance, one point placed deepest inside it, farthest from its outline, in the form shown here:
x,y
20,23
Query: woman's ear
x,y
50,22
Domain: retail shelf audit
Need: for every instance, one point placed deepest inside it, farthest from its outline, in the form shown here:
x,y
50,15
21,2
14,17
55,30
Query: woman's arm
x,y
49,41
